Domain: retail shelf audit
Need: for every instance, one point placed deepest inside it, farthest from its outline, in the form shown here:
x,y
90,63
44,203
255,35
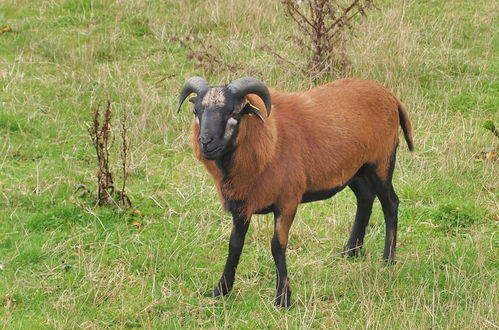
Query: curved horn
x,y
192,85
248,85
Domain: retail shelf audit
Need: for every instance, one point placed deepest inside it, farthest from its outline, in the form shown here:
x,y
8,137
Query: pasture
x,y
65,263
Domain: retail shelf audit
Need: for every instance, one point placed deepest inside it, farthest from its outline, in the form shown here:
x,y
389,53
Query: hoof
x,y
209,294
286,303
220,291
351,251
390,261
283,301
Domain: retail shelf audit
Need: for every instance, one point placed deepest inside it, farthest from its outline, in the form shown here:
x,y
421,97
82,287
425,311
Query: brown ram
x,y
313,145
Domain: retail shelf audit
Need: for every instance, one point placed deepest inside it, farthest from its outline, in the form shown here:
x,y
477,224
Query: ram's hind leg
x,y
365,195
283,220
381,180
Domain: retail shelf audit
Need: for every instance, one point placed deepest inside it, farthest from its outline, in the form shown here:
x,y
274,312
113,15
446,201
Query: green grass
x,y
66,263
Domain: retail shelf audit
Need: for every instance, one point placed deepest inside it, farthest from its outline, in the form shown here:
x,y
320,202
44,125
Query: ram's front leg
x,y
240,226
283,220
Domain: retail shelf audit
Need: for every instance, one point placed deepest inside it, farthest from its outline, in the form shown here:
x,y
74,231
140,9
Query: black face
x,y
218,114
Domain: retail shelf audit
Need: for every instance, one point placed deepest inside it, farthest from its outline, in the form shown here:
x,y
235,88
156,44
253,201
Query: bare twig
x,y
268,49
124,199
6,29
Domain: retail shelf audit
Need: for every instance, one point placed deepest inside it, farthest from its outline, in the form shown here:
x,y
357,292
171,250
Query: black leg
x,y
283,293
283,221
239,228
389,202
365,197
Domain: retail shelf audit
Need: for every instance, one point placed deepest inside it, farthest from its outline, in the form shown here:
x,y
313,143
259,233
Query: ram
x,y
270,151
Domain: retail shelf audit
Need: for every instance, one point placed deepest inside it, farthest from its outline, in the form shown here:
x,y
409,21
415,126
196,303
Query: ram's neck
x,y
256,146
237,172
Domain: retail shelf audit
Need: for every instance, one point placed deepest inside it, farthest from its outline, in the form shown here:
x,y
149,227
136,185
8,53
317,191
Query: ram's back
x,y
334,129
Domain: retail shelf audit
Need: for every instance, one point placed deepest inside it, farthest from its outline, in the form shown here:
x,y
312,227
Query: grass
x,y
65,263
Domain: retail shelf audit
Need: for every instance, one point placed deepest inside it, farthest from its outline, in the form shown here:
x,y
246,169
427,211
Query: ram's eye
x,y
232,113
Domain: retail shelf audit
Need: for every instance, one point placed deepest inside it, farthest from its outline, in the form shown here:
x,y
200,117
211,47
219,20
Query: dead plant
x,y
209,58
324,27
100,134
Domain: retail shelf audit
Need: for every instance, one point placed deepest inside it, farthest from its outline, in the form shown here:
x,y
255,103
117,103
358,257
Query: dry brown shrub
x,y
324,27
100,134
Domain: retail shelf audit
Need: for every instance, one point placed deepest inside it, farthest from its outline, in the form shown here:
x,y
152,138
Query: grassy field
x,y
65,263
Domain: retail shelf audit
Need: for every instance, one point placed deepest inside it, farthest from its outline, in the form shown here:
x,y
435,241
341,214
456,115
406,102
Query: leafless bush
x,y
100,134
101,138
208,57
324,27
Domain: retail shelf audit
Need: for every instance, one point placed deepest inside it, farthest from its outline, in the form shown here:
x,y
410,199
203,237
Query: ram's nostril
x,y
205,141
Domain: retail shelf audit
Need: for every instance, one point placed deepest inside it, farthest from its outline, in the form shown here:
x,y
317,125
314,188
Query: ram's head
x,y
219,111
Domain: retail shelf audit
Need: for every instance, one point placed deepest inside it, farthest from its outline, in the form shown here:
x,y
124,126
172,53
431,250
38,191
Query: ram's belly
x,y
331,178
317,195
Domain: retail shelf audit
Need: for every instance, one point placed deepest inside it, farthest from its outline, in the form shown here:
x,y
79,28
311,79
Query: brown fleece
x,y
313,140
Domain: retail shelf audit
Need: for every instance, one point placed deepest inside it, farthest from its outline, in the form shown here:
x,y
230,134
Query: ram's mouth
x,y
213,153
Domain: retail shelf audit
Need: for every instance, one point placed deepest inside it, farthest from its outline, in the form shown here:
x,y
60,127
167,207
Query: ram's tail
x,y
405,123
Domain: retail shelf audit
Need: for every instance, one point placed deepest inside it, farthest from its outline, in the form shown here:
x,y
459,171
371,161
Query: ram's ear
x,y
250,109
257,103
